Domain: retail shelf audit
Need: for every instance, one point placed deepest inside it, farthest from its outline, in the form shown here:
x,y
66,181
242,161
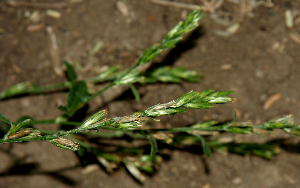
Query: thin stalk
x,y
53,121
101,91
40,89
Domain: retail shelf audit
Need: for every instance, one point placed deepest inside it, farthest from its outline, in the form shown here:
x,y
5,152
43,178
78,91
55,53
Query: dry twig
x,y
175,4
207,6
54,52
14,3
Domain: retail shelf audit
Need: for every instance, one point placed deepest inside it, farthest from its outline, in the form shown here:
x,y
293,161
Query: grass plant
x,y
96,126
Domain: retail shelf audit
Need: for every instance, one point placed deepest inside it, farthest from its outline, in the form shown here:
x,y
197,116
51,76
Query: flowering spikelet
x,y
65,144
20,134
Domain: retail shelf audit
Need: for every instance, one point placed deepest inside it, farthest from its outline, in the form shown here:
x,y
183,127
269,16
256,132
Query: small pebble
x,y
35,16
226,66
272,100
53,14
122,7
233,28
259,73
207,185
35,27
90,168
289,19
237,181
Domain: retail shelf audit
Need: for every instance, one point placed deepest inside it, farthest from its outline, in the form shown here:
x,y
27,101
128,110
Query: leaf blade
x,y
77,98
5,119
72,76
206,149
135,93
153,144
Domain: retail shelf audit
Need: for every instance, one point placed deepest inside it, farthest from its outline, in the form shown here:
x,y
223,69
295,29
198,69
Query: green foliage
x,y
17,89
18,126
77,98
153,143
175,35
205,147
172,75
135,93
94,119
96,48
72,76
5,119
172,38
14,127
262,150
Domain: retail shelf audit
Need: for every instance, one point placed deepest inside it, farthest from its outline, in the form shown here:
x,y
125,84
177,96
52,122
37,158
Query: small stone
x,y
90,168
122,7
237,181
226,66
259,73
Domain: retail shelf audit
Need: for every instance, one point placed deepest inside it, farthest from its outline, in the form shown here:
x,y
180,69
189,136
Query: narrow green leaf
x,y
206,149
19,126
186,98
94,118
204,124
205,93
169,111
188,75
149,52
286,121
5,119
17,89
168,78
108,72
135,93
77,98
171,42
129,125
132,77
222,93
22,118
234,115
64,109
96,48
198,105
72,76
239,130
153,144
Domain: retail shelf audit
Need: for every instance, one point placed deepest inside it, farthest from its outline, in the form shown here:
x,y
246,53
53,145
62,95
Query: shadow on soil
x,y
19,167
121,147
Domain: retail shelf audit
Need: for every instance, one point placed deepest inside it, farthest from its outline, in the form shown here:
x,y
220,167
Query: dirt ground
x,y
257,61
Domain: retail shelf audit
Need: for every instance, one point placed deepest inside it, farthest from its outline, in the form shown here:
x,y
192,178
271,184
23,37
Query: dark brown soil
x,y
262,59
